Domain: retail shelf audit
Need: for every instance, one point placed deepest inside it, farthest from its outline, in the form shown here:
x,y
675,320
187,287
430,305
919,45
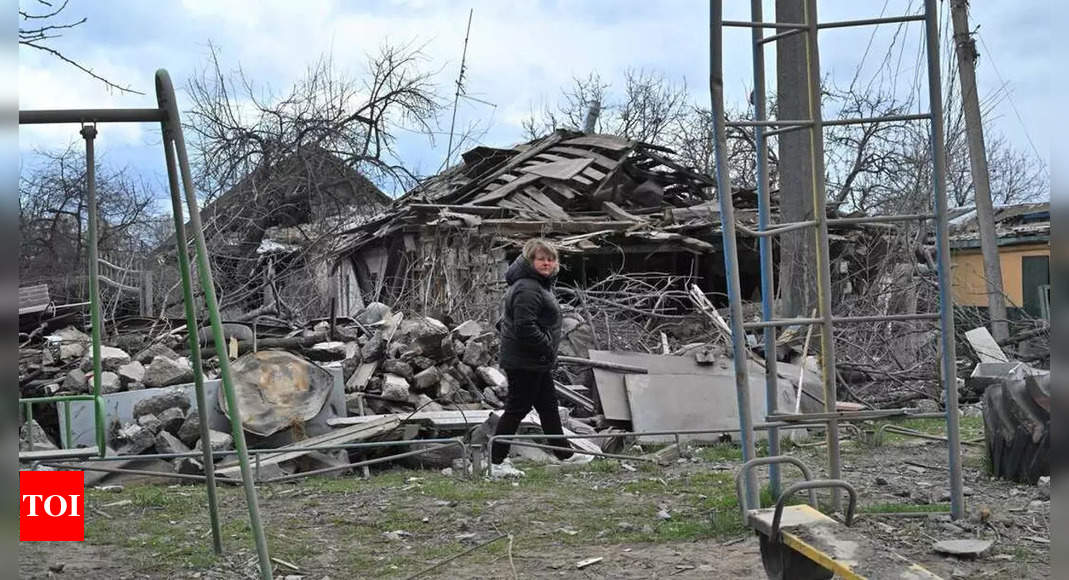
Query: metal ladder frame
x,y
765,128
177,161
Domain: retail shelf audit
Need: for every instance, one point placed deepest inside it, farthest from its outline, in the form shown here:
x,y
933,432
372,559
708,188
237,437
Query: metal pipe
x,y
883,119
871,21
731,256
781,130
89,133
185,476
67,424
208,461
780,36
360,463
57,399
29,422
777,25
823,252
843,319
53,116
764,204
876,219
766,233
166,98
770,123
946,298
771,462
276,451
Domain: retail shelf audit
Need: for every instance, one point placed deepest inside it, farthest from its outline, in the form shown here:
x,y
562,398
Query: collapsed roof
x,y
581,190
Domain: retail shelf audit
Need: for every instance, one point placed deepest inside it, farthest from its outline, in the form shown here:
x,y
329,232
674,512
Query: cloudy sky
x,y
520,54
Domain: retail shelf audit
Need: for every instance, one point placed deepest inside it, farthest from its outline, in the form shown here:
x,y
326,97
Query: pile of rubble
x,y
418,363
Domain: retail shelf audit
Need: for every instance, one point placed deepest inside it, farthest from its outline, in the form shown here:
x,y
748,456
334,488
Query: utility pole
x,y
796,279
460,89
974,131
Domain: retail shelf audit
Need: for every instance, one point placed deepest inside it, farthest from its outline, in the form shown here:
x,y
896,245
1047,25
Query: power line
x,y
1009,94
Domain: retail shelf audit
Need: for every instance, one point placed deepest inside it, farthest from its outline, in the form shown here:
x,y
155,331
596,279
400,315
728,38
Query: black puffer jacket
x,y
531,325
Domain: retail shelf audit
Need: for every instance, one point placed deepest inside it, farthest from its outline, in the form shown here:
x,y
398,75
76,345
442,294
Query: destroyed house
x,y
610,204
1023,234
271,233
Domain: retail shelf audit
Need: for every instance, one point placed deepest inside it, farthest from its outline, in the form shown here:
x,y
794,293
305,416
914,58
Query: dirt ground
x,y
644,521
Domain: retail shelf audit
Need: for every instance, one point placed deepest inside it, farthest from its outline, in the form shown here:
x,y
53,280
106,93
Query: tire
x,y
1017,429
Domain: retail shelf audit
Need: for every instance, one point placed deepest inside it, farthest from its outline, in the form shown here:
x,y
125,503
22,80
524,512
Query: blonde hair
x,y
535,245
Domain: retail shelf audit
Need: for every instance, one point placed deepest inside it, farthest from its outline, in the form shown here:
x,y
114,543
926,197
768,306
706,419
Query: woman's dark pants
x,y
527,389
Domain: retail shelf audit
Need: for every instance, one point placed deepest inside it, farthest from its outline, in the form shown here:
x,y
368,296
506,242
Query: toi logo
x,y
51,506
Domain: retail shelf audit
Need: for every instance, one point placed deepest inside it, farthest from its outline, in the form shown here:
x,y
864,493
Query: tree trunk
x,y
797,266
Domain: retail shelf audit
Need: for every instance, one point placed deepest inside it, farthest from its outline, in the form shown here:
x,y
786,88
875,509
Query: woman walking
x,y
530,332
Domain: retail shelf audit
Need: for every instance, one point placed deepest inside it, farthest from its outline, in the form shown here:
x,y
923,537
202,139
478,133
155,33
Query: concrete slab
x,y
610,384
120,407
985,346
664,402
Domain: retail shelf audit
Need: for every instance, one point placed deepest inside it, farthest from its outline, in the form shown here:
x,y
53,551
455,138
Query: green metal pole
x,y
29,424
67,424
166,99
89,133
191,330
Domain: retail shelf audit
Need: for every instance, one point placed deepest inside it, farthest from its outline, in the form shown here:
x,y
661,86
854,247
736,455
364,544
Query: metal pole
x,y
731,256
946,299
166,98
39,117
823,252
764,202
191,331
89,133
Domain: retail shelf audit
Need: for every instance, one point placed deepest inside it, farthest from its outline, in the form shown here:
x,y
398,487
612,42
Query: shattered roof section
x,y
577,188
1022,223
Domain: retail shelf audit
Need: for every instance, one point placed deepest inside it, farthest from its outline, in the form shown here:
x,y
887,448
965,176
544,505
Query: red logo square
x,y
51,506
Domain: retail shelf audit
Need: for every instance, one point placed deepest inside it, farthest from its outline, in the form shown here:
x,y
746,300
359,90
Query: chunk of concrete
x,y
447,385
189,466
372,313
76,381
189,432
167,443
31,431
133,439
109,383
397,367
330,350
475,354
394,387
156,405
145,356
112,358
963,548
218,440
150,422
427,404
131,372
468,330
492,377
165,372
171,419
427,378
73,343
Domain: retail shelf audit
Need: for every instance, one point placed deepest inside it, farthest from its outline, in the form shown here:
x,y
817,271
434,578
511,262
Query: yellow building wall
x,y
968,278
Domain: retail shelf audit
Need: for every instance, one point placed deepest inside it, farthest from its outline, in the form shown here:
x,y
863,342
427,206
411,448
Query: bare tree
x,y
41,26
306,160
53,220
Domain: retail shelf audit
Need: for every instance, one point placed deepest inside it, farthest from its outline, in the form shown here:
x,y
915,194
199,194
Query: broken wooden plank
x,y
552,209
619,213
604,141
562,170
599,159
506,189
352,434
360,378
